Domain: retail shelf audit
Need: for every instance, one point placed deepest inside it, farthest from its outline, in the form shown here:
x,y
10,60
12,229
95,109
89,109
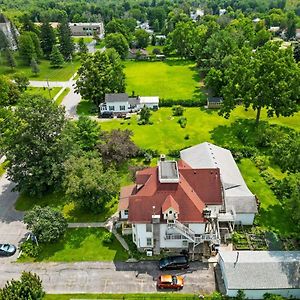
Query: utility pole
x,y
49,88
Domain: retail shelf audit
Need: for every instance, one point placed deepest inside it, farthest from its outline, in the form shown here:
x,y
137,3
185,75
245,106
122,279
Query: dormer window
x,y
170,212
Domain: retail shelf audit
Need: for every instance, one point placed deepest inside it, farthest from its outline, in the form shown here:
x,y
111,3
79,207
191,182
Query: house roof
x,y
215,99
261,269
126,191
195,189
151,99
170,202
120,97
207,155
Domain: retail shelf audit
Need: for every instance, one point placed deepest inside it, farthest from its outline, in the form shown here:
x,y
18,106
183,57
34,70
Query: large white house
x,y
181,205
121,103
260,272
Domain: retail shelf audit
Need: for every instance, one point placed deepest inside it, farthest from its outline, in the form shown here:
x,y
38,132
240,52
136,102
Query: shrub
x,y
182,102
108,238
156,51
177,110
182,121
147,158
30,249
187,137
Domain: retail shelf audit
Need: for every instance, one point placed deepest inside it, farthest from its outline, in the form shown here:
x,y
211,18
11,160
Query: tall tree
x,y
83,49
100,74
28,287
10,59
34,146
141,38
291,25
66,45
118,42
267,78
26,48
88,184
56,58
37,44
48,38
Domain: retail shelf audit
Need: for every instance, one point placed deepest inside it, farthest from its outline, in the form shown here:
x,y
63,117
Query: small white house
x,y
121,103
261,272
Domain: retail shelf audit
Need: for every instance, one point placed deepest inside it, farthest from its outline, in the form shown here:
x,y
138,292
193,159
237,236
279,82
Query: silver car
x,y
7,250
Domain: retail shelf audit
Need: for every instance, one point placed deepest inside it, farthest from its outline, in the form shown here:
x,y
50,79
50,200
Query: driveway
x,y
12,229
108,277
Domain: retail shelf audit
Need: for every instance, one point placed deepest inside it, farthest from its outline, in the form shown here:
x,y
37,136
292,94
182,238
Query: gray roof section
x,y
121,97
215,99
207,155
261,269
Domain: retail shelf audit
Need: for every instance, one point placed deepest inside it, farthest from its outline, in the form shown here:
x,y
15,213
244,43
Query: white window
x,y
148,227
170,212
122,107
104,107
112,108
126,212
149,242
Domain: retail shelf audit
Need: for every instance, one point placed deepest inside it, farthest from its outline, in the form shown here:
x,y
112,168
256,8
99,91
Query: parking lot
x,y
12,229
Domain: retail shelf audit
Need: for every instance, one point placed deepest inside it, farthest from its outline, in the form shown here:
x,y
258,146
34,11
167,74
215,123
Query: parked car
x,y
170,282
174,262
107,114
7,250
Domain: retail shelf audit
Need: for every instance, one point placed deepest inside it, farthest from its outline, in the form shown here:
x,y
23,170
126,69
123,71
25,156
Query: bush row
x,y
183,102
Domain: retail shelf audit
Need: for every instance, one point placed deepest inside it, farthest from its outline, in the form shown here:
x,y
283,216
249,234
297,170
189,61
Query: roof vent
x,y
162,157
168,171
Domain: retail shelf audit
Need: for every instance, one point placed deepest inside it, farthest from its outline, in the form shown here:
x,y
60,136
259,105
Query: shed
x,y
214,102
261,272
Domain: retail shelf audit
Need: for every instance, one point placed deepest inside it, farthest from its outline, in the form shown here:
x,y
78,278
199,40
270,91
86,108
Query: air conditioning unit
x,y
149,252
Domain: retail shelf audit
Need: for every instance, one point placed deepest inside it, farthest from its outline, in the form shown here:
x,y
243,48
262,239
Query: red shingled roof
x,y
196,189
170,202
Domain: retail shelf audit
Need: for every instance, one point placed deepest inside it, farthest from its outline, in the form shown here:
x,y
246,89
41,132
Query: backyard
x,y
81,244
172,79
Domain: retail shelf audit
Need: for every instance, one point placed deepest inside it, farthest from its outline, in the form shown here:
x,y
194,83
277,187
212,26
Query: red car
x,y
170,282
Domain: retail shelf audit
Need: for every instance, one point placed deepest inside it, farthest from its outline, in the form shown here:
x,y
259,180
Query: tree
x,y
35,69
156,27
28,287
117,147
87,133
100,74
37,45
117,26
141,38
88,184
21,81
240,295
33,145
66,45
9,92
83,49
267,78
145,115
297,52
10,59
291,25
262,37
48,38
47,224
214,80
118,42
56,58
26,48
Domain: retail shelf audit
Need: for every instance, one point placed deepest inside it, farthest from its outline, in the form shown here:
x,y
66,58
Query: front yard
x,y
81,244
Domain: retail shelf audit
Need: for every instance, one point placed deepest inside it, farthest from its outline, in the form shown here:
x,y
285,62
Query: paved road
x,y
108,277
70,101
12,229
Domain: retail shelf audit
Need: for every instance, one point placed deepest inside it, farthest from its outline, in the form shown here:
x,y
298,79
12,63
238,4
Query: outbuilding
x,y
261,272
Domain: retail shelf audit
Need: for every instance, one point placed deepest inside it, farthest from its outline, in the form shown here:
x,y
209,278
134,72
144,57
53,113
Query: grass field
x,y
202,125
61,97
158,296
82,244
87,39
173,79
46,72
43,92
3,168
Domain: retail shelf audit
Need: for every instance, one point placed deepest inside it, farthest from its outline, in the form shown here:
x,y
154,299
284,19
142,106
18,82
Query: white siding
x,y
123,216
169,243
117,106
259,294
142,235
150,105
245,219
198,228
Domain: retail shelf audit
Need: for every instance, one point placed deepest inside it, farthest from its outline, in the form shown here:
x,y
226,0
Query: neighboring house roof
x,y
215,99
274,28
134,51
236,192
257,270
86,24
195,189
170,203
153,99
121,97
126,191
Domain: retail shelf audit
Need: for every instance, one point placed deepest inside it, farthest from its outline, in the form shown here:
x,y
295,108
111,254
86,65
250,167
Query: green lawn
x,y
87,39
172,79
3,168
81,244
46,72
86,108
158,296
271,215
202,125
43,91
61,97
150,48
